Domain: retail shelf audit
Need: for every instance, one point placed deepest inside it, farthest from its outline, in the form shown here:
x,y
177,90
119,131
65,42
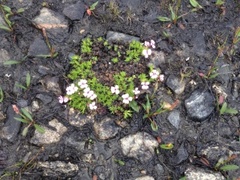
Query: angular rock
x,y
157,59
49,136
140,146
199,44
44,98
75,11
200,104
78,120
145,178
38,48
53,22
182,154
116,36
4,56
202,174
175,84
106,128
51,84
174,118
58,169
11,127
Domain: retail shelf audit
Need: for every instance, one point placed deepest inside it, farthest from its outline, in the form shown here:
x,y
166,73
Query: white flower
x,y
147,44
115,89
92,106
145,85
93,96
161,77
86,92
154,74
63,99
146,52
136,91
71,89
82,83
152,42
126,98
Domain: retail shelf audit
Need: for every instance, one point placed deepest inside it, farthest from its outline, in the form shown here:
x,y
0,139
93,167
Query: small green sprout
x,y
1,95
227,110
195,4
27,82
26,117
220,2
167,146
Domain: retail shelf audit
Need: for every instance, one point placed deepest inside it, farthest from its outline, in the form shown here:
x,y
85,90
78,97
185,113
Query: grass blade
x,y
39,128
163,19
11,62
229,167
1,95
27,114
28,79
21,120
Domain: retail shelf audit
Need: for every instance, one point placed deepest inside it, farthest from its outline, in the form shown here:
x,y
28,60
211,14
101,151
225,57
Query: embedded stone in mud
x,y
200,104
140,146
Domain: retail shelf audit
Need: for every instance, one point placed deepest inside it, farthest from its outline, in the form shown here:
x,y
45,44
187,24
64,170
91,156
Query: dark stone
x,y
38,47
75,11
200,104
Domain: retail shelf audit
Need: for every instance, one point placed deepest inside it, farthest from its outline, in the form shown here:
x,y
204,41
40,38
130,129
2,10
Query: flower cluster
x,y
148,45
154,74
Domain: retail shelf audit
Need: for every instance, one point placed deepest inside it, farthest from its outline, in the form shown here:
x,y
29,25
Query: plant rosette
x,y
99,84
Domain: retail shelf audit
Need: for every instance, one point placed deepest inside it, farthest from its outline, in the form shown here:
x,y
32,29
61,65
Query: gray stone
x,y
116,36
157,59
77,119
225,74
199,45
200,104
182,154
159,170
140,146
51,84
43,70
202,174
38,48
22,4
58,168
175,84
145,178
4,56
53,22
174,118
44,98
11,127
49,136
75,11
106,128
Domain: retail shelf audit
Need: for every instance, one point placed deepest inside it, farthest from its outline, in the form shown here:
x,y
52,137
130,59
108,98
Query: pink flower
x,y
92,106
115,89
146,52
126,98
154,74
63,99
145,85
82,83
136,91
71,89
161,77
152,42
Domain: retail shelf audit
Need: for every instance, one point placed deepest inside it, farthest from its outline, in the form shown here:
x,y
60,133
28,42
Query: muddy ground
x,y
73,147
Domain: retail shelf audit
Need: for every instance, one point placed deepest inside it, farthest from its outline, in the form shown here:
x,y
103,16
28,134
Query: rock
x,y
22,4
77,119
106,128
199,45
202,174
4,55
116,36
175,84
51,84
38,48
140,146
11,127
53,22
145,178
75,11
157,59
44,98
49,136
3,159
58,169
43,70
200,104
174,118
159,170
182,155
225,74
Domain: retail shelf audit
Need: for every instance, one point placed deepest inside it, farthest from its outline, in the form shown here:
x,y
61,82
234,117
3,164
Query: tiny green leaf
x,y
25,131
39,128
20,10
231,111
167,146
163,19
229,167
134,106
173,14
5,28
7,9
1,95
223,108
93,6
11,62
21,120
220,2
28,79
195,4
27,114
154,126
21,86
120,162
